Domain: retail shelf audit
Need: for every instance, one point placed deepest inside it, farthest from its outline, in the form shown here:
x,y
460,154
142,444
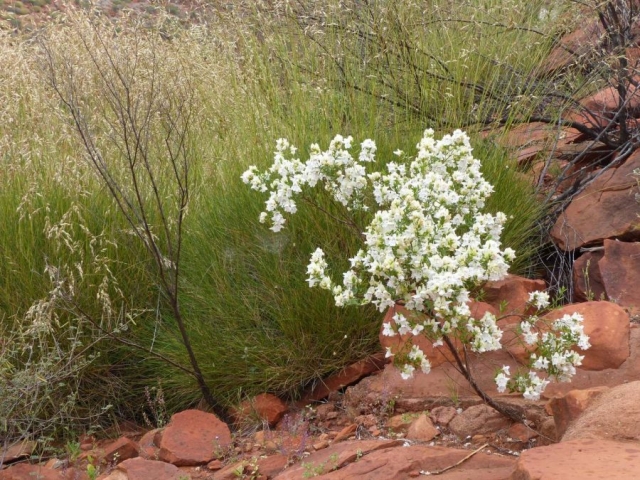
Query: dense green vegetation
x,y
78,288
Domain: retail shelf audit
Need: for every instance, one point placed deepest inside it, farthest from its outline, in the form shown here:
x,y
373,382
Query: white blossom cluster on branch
x,y
428,244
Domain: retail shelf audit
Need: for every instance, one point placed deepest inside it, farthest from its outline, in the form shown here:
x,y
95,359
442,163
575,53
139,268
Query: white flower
x,y
540,300
388,330
529,337
407,372
502,379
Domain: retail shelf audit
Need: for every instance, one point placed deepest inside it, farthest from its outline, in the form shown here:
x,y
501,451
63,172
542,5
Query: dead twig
x,y
460,462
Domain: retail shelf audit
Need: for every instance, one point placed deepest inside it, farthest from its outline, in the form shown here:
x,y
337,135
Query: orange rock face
x,y
568,408
606,209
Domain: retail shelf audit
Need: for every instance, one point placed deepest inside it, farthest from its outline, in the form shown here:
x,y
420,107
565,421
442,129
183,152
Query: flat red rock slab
x,y
580,459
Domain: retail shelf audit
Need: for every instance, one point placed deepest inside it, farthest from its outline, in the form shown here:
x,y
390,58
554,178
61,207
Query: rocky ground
x,y
366,422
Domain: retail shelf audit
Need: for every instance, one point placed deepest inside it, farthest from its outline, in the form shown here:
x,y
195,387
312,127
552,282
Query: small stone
x,y
324,409
119,451
270,446
521,432
346,432
400,423
270,466
366,420
265,406
478,420
443,415
214,465
149,438
347,376
16,451
320,445
259,436
422,429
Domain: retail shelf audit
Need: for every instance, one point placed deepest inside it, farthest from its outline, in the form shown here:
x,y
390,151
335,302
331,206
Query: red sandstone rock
x,y
345,433
17,450
614,415
347,376
479,419
580,459
120,450
336,456
601,107
510,295
605,209
400,463
422,429
399,423
192,437
529,139
265,406
587,280
574,46
25,471
270,466
521,432
141,469
568,408
443,415
607,326
620,273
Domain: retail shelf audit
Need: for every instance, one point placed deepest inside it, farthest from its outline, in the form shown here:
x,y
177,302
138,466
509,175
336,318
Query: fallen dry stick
x,y
439,472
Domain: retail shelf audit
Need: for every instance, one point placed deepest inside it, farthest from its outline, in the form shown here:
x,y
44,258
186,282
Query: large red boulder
x,y
606,209
510,296
614,415
567,408
573,46
587,280
580,459
607,326
620,272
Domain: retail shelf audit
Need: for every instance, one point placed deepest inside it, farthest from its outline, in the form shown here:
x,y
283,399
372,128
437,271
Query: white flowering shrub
x,y
427,246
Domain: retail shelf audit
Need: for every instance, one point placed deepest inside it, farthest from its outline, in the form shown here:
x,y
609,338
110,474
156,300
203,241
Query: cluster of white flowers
x,y
342,175
428,243
552,353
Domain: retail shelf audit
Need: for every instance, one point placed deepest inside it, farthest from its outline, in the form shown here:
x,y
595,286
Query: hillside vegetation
x,y
113,122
